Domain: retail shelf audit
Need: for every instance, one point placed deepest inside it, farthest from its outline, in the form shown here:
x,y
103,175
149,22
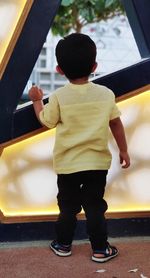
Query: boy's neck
x,y
80,81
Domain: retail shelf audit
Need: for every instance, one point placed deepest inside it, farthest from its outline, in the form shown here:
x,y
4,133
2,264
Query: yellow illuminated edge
x,y
134,93
14,37
52,215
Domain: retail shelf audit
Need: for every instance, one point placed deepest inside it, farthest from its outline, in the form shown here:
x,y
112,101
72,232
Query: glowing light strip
x,y
12,18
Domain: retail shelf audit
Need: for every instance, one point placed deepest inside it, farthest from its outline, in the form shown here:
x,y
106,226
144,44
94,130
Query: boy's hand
x,y
35,94
124,159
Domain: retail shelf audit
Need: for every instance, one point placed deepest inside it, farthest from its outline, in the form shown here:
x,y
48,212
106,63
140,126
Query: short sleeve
x,y
50,115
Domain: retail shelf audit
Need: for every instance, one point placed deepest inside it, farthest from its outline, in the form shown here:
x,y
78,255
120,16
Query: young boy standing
x,y
82,113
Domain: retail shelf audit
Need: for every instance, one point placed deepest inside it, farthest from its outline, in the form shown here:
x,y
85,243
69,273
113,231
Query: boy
x,y
82,113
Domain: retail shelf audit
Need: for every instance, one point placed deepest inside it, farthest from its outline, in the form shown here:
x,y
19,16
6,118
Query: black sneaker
x,y
107,254
60,249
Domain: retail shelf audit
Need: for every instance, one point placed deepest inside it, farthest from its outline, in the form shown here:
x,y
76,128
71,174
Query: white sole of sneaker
x,y
61,254
103,260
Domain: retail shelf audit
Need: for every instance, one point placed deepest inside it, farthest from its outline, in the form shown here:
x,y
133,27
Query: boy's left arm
x,y
117,130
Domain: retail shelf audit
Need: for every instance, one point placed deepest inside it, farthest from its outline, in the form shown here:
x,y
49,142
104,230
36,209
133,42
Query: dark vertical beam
x,y
22,61
138,13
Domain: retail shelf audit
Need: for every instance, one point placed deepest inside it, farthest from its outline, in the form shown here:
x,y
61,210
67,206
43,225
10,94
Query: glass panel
x,y
116,49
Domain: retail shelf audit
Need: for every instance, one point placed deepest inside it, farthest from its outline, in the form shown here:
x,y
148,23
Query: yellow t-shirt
x,y
81,115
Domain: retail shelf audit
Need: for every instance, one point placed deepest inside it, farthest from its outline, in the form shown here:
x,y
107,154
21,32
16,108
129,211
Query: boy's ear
x,y
59,70
94,67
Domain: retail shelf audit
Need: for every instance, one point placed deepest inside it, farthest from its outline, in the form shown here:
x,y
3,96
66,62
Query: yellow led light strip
x,y
11,27
134,93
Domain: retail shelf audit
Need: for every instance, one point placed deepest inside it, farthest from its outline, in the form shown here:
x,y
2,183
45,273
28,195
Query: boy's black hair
x,y
76,55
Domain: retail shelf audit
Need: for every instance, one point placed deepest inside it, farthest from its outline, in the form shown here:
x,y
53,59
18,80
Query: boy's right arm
x,y
36,96
117,130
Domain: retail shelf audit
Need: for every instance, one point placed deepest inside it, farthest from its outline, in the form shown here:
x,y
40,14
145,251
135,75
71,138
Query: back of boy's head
x,y
76,55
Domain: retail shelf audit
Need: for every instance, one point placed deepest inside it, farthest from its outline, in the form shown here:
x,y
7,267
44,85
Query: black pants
x,y
82,190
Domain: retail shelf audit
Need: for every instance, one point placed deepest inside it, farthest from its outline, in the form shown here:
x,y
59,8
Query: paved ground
x,y
36,260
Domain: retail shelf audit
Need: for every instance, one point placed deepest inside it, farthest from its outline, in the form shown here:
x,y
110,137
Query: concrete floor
x,y
35,260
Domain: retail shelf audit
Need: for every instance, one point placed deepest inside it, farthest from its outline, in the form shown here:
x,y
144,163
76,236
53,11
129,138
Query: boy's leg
x,y
69,202
94,205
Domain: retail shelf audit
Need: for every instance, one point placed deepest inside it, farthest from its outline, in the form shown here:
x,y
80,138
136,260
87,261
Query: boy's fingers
x,y
126,165
35,93
121,160
124,160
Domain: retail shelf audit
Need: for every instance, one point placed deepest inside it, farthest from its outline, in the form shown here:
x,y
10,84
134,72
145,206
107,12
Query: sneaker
x,y
60,249
107,254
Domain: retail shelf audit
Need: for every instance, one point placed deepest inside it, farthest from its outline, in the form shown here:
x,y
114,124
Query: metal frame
x,y
138,13
15,123
22,61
